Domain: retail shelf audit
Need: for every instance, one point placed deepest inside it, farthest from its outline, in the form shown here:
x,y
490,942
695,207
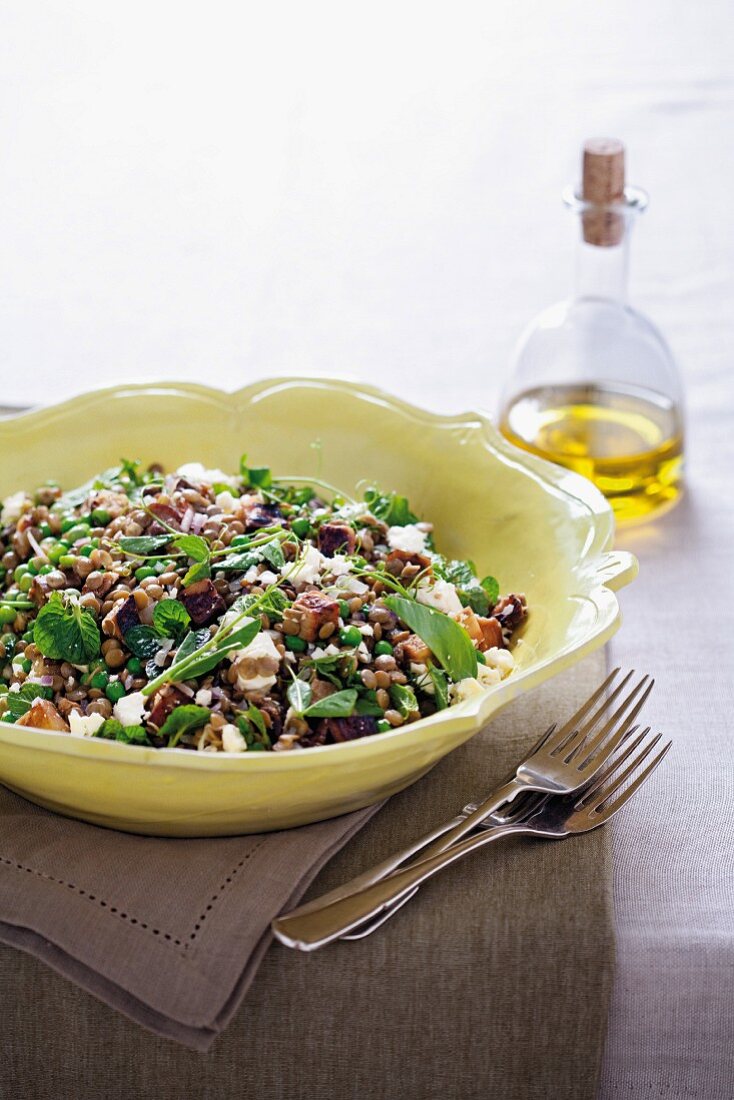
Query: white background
x,y
221,192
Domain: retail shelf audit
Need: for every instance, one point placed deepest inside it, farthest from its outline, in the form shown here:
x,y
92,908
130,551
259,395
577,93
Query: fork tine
x,y
578,733
610,808
601,777
618,778
577,743
606,743
561,735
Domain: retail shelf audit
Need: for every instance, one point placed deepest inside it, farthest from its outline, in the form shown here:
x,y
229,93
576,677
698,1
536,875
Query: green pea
x,y
20,571
46,531
344,609
56,553
143,572
81,531
68,522
68,561
32,568
25,582
28,636
383,725
101,517
86,550
301,527
240,540
295,644
26,664
350,636
383,649
45,569
100,680
114,691
7,615
134,666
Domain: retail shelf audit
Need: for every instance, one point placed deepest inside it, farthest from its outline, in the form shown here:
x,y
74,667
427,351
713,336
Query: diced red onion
x,y
198,522
184,689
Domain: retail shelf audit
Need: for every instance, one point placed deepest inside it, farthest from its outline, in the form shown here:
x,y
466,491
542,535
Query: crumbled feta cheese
x,y
226,501
365,628
465,689
363,654
339,566
252,574
12,508
195,472
500,659
307,569
130,709
232,739
410,539
267,577
203,697
487,676
84,725
442,595
256,664
319,651
352,585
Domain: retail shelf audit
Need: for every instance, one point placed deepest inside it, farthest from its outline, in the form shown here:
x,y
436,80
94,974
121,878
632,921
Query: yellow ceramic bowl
x,y
538,528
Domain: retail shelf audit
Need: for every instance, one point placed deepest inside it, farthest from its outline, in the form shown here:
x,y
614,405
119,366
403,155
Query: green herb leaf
x,y
259,477
299,695
19,702
112,730
143,641
193,546
199,571
63,631
170,618
339,705
239,639
492,590
143,544
404,699
440,687
391,508
238,562
194,640
182,720
450,644
254,714
366,707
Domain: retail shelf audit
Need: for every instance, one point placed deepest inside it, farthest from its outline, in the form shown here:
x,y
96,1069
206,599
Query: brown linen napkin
x,y
494,981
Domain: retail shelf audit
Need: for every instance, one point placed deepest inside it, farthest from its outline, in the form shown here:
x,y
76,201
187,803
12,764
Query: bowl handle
x,y
617,568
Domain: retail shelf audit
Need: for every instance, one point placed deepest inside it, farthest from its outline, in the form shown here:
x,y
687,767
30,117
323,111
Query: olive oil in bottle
x,y
595,387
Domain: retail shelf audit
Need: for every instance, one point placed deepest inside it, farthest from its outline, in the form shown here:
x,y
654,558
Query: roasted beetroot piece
x,y
491,634
202,601
347,729
168,514
336,536
262,515
44,716
164,701
397,559
119,620
314,611
511,610
414,649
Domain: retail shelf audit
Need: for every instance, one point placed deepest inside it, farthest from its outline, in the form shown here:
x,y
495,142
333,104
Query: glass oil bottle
x,y
594,385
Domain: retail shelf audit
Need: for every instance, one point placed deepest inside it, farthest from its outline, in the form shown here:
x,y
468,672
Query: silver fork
x,y
562,761
554,818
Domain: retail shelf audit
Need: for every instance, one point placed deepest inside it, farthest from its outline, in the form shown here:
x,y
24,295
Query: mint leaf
x,y
259,477
112,730
440,687
391,508
63,631
450,644
143,641
170,618
492,590
272,552
194,546
299,695
143,544
404,699
339,705
199,571
19,702
194,640
182,720
239,639
365,708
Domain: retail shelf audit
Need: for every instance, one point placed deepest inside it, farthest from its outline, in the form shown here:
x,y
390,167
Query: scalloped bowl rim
x,y
471,715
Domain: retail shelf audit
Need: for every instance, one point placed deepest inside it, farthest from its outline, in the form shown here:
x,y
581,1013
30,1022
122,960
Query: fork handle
x,y
316,928
439,838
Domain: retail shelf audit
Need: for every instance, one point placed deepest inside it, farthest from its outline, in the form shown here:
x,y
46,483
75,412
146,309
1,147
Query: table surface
x,y
311,189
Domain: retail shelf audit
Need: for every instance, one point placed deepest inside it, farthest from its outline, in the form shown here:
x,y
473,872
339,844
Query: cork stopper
x,y
603,186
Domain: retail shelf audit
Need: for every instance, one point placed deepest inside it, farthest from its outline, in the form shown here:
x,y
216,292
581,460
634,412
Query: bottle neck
x,y
601,271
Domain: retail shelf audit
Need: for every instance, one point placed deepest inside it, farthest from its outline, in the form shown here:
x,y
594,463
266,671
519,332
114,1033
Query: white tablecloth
x,y
219,192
